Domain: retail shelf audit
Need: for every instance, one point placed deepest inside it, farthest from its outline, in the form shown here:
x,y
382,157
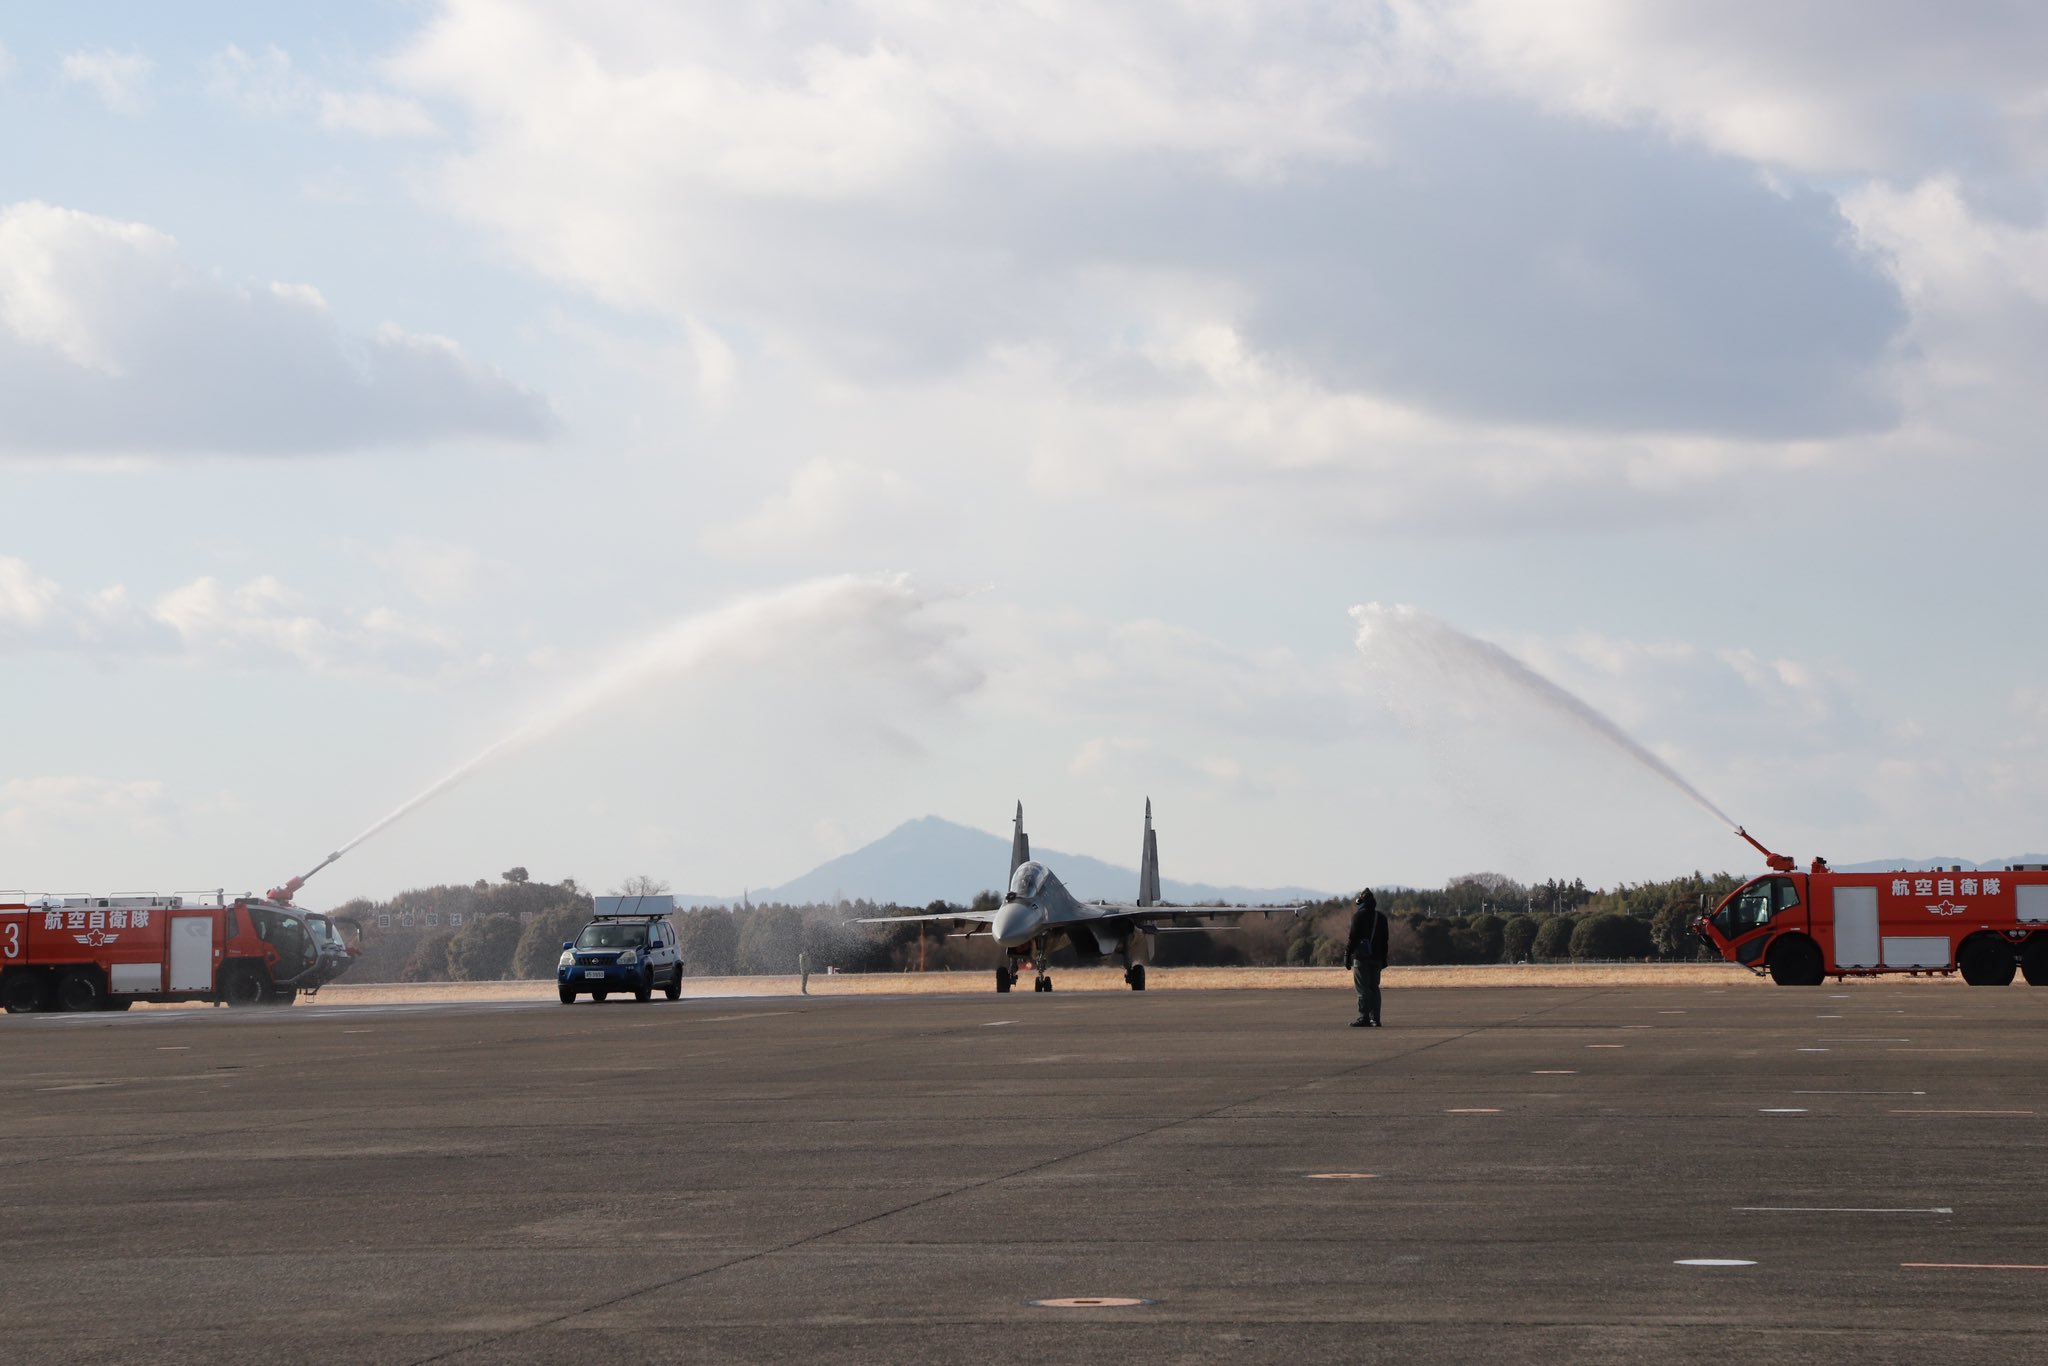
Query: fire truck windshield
x,y
1754,905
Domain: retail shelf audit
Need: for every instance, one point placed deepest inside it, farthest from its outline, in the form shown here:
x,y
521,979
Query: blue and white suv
x,y
622,953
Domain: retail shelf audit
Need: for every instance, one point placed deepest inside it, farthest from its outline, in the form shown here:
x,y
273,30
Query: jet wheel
x,y
1135,975
1004,979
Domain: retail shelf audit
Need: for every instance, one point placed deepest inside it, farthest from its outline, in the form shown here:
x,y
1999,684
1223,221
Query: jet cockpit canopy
x,y
1027,881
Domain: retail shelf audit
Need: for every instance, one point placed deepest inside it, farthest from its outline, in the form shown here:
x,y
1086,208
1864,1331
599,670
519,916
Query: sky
x,y
788,420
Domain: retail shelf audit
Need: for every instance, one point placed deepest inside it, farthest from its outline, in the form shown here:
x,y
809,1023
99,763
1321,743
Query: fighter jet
x,y
1038,913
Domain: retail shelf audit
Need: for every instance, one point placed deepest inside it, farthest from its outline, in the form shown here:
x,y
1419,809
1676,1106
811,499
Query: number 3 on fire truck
x,y
10,940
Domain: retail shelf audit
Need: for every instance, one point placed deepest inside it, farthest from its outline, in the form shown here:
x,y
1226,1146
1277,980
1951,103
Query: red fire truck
x,y
108,952
1802,928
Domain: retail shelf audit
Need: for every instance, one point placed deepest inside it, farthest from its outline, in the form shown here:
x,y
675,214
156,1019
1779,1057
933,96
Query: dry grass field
x,y
1111,979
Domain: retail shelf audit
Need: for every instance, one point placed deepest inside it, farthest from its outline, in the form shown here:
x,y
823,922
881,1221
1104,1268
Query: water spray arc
x,y
1401,641
872,623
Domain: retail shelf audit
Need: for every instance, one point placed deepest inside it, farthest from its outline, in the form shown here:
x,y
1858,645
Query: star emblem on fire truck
x,y
96,939
1945,907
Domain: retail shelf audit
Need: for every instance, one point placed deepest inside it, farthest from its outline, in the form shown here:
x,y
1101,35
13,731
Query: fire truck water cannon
x,y
283,895
1779,863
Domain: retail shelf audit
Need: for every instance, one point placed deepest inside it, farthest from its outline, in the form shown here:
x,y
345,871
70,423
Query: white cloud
x,y
375,114
119,79
824,498
259,624
42,805
1830,87
896,197
263,82
110,343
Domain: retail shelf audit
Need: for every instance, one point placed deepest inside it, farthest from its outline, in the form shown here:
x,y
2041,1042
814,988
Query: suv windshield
x,y
606,936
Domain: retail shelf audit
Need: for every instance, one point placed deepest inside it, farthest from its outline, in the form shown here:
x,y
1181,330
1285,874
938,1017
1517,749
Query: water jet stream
x,y
1399,640
848,621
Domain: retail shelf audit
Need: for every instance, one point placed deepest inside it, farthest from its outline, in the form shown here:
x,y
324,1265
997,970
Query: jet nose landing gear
x,y
1135,975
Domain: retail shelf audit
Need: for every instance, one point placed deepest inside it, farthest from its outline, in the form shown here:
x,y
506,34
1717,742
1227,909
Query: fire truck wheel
x,y
119,1002
25,993
1795,962
283,996
244,987
1986,961
2034,961
81,989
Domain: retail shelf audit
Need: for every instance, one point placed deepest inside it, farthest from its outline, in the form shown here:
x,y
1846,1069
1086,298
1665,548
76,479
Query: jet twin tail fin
x,y
1148,863
1020,845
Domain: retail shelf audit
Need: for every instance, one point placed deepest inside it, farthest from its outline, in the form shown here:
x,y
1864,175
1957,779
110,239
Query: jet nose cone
x,y
1015,922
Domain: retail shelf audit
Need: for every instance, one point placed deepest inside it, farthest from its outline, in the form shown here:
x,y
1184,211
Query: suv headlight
x,y
629,958
567,960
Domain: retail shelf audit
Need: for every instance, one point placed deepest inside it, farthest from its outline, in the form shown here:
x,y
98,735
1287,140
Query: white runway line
x,y
1834,1209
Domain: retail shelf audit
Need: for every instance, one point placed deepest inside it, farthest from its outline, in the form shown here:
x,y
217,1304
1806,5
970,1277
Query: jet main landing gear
x,y
1135,975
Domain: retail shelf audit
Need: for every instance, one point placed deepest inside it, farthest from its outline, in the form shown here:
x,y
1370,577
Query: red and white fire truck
x,y
1803,928
108,952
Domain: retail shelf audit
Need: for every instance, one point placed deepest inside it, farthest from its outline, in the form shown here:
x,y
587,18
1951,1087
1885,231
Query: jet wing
x,y
1145,915
956,917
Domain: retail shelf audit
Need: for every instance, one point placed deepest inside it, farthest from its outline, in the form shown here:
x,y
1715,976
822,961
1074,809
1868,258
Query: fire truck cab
x,y
1802,928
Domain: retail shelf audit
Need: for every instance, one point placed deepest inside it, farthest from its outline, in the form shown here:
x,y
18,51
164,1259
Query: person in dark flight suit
x,y
1365,953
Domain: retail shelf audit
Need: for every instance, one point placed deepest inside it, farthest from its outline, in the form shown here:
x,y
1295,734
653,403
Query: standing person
x,y
1365,953
803,972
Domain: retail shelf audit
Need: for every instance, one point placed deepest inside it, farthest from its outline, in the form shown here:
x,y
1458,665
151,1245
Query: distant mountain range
x,y
929,860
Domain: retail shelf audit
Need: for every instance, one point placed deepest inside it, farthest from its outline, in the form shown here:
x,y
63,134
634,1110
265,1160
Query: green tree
x,y
711,941
514,875
1609,936
770,940
1553,937
429,961
540,943
1489,931
481,951
1517,937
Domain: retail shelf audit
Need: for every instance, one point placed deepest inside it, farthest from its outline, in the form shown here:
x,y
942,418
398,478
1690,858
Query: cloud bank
x,y
112,344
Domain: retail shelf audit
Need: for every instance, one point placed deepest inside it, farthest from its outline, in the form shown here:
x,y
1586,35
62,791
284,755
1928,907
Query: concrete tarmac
x,y
1615,1174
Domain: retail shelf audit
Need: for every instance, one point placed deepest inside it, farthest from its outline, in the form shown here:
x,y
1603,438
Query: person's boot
x,y
1360,1023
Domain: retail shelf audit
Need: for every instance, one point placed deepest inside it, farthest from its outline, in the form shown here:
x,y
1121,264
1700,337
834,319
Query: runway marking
x,y
1962,1112
1090,1302
1833,1209
753,1015
1607,1045
174,1048
1973,1266
1861,1039
1555,1072
1815,1050
1859,1093
1340,1176
1934,1050
1712,1261
1782,1112
1471,1112
1827,1017
993,1023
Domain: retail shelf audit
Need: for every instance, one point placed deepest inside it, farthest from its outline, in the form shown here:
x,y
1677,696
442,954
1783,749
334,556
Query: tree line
x,y
515,927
